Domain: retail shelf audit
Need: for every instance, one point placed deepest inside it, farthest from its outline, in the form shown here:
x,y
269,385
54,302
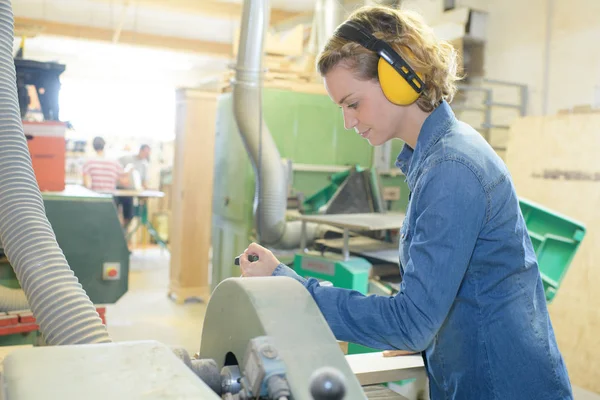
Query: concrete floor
x,y
146,313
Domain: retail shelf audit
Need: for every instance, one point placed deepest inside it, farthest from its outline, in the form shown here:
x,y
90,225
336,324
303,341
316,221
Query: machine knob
x,y
327,383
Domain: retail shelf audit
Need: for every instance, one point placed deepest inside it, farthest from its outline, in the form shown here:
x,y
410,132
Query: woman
x,y
472,298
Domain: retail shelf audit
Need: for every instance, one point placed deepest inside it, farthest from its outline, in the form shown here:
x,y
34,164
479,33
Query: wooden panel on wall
x,y
192,189
538,148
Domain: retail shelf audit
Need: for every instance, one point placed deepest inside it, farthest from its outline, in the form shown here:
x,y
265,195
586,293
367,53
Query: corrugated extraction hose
x,y
60,306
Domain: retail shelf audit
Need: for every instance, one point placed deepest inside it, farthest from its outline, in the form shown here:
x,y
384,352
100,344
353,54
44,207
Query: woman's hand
x,y
264,266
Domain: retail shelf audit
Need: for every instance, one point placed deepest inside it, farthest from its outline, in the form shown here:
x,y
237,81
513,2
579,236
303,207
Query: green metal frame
x,y
352,273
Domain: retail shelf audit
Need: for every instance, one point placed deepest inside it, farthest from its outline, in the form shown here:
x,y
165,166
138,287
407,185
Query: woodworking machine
x,y
263,338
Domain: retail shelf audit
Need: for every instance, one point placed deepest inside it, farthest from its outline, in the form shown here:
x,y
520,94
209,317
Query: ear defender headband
x,y
401,85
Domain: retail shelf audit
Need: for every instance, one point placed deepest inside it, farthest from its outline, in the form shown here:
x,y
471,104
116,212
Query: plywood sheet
x,y
554,161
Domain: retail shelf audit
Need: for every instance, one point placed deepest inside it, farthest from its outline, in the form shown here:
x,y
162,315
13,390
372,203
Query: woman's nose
x,y
350,120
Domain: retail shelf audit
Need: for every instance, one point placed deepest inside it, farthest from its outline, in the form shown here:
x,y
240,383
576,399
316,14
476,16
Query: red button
x,y
112,272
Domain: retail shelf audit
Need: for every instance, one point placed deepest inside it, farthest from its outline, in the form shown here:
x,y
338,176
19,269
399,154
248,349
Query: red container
x,y
46,142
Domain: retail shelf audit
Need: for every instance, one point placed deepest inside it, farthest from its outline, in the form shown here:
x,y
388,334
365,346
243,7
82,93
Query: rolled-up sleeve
x,y
449,206
284,270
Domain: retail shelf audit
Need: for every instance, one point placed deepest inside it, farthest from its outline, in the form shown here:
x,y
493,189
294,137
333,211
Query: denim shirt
x,y
471,299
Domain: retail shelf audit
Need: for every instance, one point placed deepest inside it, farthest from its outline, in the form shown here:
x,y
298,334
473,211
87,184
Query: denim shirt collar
x,y
434,127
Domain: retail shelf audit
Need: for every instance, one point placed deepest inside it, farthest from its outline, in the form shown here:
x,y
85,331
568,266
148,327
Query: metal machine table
x,y
354,222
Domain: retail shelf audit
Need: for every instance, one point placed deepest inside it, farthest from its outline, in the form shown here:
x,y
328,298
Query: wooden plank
x,y
47,27
374,368
221,9
288,43
381,392
538,147
360,222
192,190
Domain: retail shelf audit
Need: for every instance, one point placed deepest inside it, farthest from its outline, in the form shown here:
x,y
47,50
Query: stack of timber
x,y
283,72
286,63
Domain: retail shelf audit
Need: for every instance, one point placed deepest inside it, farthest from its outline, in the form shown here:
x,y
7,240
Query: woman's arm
x,y
450,209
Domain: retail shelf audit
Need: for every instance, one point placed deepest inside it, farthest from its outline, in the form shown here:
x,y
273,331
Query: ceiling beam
x,y
213,8
119,28
33,26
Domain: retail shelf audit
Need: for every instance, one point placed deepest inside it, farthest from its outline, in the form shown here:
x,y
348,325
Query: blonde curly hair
x,y
435,59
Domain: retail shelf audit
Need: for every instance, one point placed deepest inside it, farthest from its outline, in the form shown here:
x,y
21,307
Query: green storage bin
x,y
555,239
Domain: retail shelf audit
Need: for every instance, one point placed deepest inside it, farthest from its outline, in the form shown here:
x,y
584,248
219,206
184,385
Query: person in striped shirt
x,y
102,174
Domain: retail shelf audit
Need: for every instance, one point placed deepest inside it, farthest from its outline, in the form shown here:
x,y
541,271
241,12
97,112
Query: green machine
x,y
88,231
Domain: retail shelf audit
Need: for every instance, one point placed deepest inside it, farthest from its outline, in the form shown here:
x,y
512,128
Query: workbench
x,y
141,212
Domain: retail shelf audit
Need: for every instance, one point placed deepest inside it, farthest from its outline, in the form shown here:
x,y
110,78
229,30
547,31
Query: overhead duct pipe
x,y
327,16
331,17
389,3
270,201
61,308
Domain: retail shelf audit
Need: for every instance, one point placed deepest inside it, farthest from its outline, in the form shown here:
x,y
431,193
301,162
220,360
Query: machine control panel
x,y
111,271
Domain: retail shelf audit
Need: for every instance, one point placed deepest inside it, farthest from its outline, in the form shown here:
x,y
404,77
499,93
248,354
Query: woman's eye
x,y
353,105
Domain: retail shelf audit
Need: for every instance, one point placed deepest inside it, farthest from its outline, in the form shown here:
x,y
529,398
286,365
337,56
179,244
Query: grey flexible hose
x,y
270,173
60,306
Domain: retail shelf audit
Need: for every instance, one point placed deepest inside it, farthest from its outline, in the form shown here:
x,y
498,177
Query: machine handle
x,y
327,383
251,258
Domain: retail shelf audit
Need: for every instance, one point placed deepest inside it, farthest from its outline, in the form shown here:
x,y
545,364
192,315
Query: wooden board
x,y
569,144
359,222
283,72
374,368
290,42
381,392
190,230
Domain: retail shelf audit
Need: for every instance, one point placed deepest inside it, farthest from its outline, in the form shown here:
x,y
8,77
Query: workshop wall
x,y
549,167
548,45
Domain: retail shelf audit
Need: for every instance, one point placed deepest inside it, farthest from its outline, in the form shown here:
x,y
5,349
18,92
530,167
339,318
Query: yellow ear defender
x,y
401,85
